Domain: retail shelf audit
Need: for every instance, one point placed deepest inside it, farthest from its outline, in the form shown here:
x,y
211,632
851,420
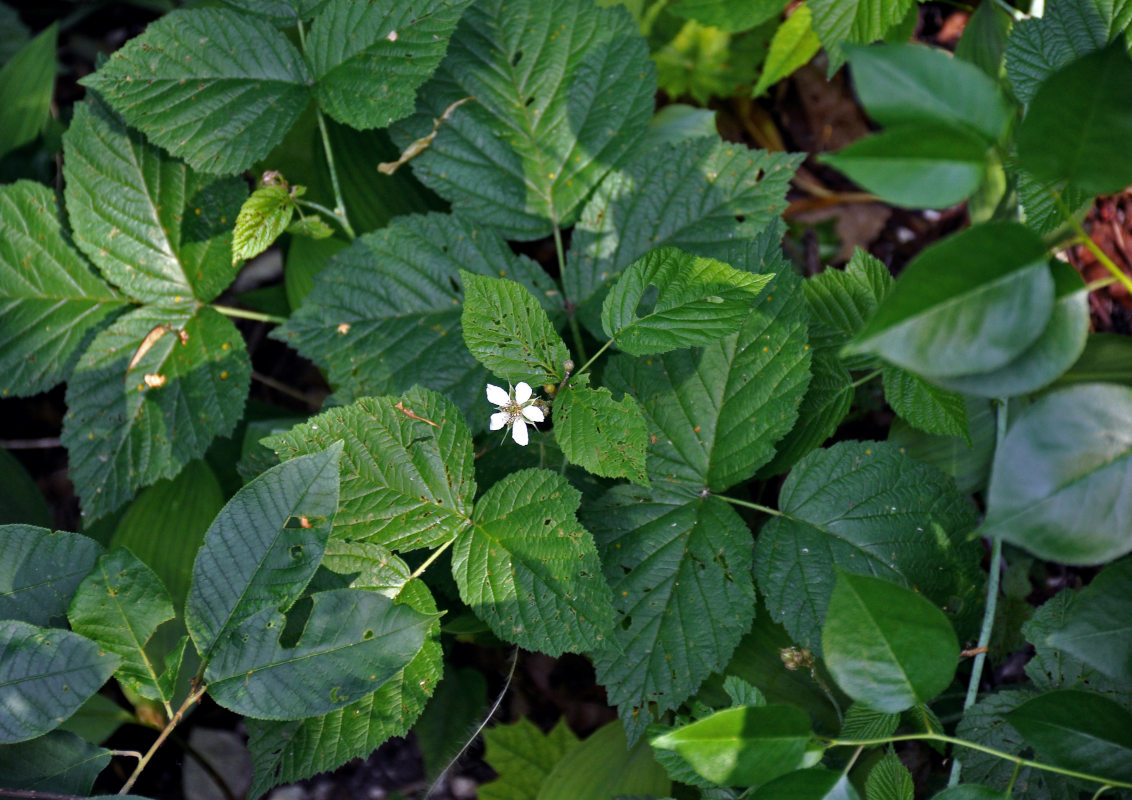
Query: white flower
x,y
516,409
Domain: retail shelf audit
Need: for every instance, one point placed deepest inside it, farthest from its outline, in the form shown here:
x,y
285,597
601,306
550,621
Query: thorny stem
x,y
243,313
952,740
193,697
1093,247
748,504
991,604
339,212
486,719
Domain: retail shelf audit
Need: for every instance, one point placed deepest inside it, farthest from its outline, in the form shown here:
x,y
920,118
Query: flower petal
x,y
522,392
533,413
499,419
497,396
519,431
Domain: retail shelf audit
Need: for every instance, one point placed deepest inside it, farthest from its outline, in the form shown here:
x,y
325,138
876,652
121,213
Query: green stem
x,y
339,212
864,380
1101,791
1087,240
593,358
193,697
241,313
939,737
735,501
1101,283
991,604
575,329
428,561
334,215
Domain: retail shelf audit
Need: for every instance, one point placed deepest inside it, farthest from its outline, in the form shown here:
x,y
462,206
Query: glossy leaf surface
x,y
1096,628
1078,730
58,762
40,571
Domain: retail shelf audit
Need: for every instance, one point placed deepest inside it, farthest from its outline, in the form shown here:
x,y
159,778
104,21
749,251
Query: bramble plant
x,y
587,449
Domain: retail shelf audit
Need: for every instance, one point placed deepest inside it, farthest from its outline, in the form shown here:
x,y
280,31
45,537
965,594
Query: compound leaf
x,y
689,195
156,229
407,479
262,219
671,557
264,547
352,643
1061,478
859,21
523,756
118,606
50,299
45,675
385,314
369,59
40,571
886,646
1096,628
841,301
969,304
669,299
285,13
871,510
716,413
529,570
58,762
289,751
927,407
889,779
509,332
793,45
605,436
180,80
563,94
148,396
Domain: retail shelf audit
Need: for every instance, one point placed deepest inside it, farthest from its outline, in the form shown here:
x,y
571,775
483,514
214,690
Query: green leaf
x,y
970,303
716,413
509,332
406,475
841,301
152,226
182,508
925,406
258,554
916,165
743,693
605,436
688,195
1067,31
453,712
22,501
669,299
529,570
59,762
826,403
523,756
27,83
13,33
816,783
909,84
118,606
670,555
385,315
744,746
50,299
1051,354
179,81
984,39
792,47
263,217
606,765
886,646
285,13
40,571
1096,628
985,723
867,508
1107,358
310,227
1040,208
1060,476
352,643
45,674
563,94
679,122
889,780
1077,730
369,59
860,21
123,432
967,461
862,722
289,751
1079,122
730,16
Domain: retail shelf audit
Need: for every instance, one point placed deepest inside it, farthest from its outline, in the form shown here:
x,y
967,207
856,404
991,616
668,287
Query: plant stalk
x,y
193,697
735,501
1093,247
242,313
428,561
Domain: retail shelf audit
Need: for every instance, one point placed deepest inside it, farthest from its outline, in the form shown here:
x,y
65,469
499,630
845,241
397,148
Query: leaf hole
x,y
515,59
626,622
296,552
